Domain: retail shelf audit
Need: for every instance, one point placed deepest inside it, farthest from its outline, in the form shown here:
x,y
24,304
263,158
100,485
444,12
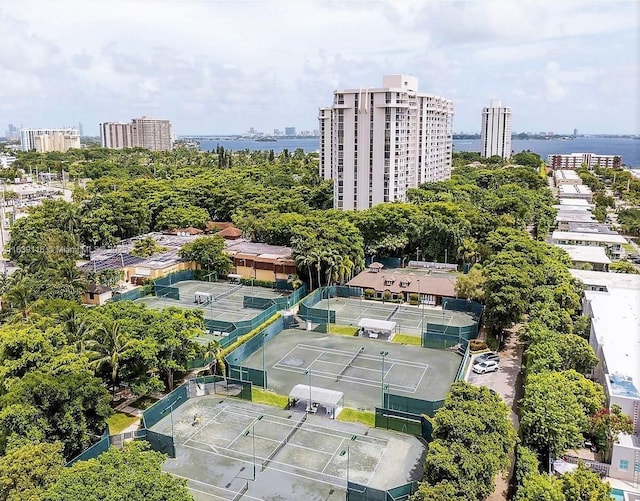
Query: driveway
x,y
506,382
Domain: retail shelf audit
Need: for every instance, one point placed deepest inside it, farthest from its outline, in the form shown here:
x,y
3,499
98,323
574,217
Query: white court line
x,y
315,479
352,379
201,428
333,455
407,363
214,486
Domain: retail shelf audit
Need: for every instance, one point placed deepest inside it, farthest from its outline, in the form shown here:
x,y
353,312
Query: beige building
x,y
116,135
377,143
144,132
46,140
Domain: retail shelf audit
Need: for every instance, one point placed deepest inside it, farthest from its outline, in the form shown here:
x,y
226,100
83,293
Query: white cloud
x,y
223,66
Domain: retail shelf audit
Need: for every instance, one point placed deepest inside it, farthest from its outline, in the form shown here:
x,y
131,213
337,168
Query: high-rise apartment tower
x,y
142,132
377,143
495,134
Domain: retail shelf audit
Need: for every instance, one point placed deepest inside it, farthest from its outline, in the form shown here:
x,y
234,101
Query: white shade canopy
x,y
323,396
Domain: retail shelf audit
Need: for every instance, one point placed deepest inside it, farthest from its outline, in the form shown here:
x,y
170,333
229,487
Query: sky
x,y
223,66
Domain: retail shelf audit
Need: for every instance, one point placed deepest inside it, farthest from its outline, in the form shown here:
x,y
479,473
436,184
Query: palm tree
x,y
468,251
306,261
78,332
212,350
19,297
113,345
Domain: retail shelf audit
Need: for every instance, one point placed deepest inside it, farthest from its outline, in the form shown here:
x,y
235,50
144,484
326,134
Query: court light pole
x,y
382,354
347,451
308,371
253,443
264,372
170,409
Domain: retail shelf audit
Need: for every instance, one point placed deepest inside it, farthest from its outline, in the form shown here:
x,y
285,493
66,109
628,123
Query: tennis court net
x,y
275,451
349,363
227,293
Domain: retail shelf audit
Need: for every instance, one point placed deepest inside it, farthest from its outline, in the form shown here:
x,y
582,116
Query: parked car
x,y
486,366
492,355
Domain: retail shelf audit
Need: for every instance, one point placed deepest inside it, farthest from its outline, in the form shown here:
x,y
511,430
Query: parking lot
x,y
505,381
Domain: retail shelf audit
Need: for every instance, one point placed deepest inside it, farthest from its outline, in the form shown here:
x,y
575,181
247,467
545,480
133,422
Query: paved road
x,y
506,382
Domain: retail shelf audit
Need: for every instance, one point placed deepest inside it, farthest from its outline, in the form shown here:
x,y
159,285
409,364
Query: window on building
x,y
624,464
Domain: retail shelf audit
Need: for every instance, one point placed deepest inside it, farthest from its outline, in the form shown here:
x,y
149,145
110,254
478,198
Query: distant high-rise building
x,y
575,132
144,132
495,134
46,140
377,143
276,132
152,133
116,135
80,129
289,131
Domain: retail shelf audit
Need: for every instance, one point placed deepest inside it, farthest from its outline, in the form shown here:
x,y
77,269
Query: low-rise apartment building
x,y
615,338
589,160
611,242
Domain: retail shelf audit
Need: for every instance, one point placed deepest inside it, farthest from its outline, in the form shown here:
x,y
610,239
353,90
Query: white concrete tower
x,y
495,133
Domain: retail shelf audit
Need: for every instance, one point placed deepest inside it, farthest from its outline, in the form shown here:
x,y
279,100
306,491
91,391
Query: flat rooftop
x,y
573,201
586,253
616,325
587,237
590,227
565,174
574,216
606,279
572,189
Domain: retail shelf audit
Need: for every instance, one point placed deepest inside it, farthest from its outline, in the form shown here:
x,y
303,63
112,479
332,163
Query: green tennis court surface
x,y
295,456
332,363
409,319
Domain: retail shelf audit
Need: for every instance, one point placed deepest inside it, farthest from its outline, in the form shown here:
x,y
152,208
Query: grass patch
x,y
407,339
143,403
354,416
343,330
629,249
119,422
260,396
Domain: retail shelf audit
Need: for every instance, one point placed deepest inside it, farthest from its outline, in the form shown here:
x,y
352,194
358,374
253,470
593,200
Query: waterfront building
x,y
144,132
589,160
377,143
46,140
495,133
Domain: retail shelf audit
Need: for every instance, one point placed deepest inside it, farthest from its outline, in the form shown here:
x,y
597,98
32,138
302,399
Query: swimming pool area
x,y
617,495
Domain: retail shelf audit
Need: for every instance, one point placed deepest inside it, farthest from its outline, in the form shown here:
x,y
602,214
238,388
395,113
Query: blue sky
x,y
222,66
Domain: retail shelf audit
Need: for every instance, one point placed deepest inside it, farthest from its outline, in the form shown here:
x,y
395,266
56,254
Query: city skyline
x,y
222,67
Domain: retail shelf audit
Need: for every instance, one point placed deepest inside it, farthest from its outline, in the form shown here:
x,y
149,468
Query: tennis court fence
x,y
359,492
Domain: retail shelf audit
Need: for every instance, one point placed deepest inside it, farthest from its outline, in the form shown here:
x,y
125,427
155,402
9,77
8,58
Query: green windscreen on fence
x,y
241,353
94,451
165,291
446,336
404,422
475,309
163,407
228,386
258,303
402,492
412,405
159,442
131,295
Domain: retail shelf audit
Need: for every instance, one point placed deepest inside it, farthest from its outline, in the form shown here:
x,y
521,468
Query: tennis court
x,y
354,366
217,300
409,318
252,451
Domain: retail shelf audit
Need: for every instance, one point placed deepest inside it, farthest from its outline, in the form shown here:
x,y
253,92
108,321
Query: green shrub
x,y
369,293
414,299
